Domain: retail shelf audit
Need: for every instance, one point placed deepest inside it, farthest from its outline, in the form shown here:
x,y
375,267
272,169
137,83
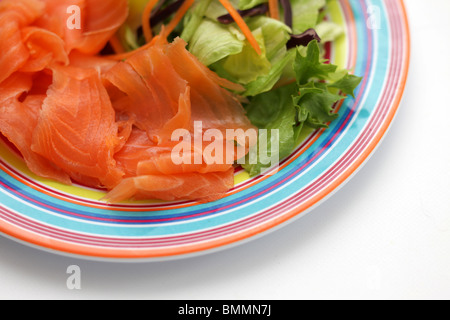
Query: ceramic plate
x,y
73,221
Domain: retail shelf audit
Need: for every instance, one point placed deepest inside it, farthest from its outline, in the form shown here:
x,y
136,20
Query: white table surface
x,y
384,235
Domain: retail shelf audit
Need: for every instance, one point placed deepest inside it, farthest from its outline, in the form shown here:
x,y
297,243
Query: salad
x,y
162,99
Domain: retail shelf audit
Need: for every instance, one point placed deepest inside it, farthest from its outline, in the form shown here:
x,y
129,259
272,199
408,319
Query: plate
x,y
73,221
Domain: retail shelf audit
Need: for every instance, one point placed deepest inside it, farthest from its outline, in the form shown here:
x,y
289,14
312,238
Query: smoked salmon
x,y
18,121
107,122
201,187
89,32
15,15
77,129
153,93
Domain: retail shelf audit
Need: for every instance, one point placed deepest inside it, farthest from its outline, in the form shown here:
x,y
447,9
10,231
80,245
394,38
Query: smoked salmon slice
x,y
24,12
214,106
82,60
77,129
153,93
17,123
201,187
45,48
140,156
14,54
99,21
152,82
15,15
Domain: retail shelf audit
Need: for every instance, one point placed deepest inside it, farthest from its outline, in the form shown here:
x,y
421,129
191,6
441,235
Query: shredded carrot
x,y
178,17
116,45
274,9
146,15
242,25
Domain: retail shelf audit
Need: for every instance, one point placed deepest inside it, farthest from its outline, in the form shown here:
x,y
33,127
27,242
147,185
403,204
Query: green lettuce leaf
x,y
194,18
267,82
305,14
216,9
347,84
247,65
297,108
248,4
315,102
273,110
225,42
276,35
329,31
260,73
312,66
318,86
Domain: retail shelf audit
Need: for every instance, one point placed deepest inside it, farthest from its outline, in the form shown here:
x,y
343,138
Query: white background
x,y
384,235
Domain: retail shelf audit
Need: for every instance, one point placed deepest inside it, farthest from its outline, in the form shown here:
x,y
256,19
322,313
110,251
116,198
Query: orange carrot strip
x,y
146,15
274,9
242,25
178,16
116,44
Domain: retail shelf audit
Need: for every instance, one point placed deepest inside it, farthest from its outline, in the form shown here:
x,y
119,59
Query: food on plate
x,y
159,99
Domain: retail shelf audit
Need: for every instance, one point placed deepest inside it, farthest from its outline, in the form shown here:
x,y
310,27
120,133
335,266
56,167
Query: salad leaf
x,y
316,82
248,4
307,103
316,104
347,84
329,31
194,19
215,10
311,65
267,82
246,66
305,14
260,73
225,43
273,110
275,33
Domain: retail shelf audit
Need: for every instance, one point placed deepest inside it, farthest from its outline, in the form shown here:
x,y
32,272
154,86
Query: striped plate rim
x,y
37,213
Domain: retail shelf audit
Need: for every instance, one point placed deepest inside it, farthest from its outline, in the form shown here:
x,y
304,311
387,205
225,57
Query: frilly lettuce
x,y
305,14
226,42
307,103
